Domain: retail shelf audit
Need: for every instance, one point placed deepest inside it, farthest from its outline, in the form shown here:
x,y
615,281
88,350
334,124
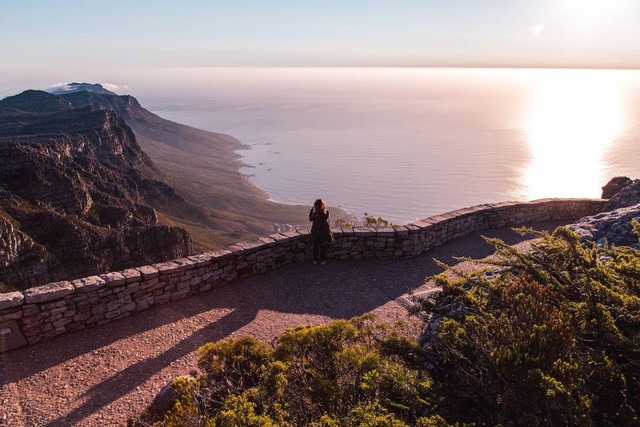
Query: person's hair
x,y
320,205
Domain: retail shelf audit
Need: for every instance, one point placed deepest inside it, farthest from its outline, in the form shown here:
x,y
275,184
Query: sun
x,y
590,13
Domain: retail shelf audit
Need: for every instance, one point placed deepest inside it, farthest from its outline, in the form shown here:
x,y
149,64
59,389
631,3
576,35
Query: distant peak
x,y
80,87
34,101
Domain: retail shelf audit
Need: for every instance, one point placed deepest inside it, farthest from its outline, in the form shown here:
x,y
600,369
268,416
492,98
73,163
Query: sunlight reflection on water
x,y
573,121
410,143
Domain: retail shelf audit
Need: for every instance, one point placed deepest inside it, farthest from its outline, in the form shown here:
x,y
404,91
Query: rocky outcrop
x,y
614,186
613,227
614,224
628,196
77,194
33,101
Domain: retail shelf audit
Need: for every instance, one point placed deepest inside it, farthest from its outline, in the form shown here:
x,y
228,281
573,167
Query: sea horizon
x,y
407,143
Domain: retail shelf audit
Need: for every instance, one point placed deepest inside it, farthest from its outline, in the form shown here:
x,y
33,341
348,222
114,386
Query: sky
x,y
36,36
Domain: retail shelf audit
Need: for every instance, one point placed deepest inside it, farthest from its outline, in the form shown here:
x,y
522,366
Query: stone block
x,y
112,314
88,284
133,287
149,283
291,234
98,309
165,268
413,229
129,307
386,232
364,231
201,260
48,292
61,322
113,305
144,303
114,279
219,255
11,299
235,249
252,246
148,272
401,230
131,275
268,241
81,317
185,264
277,237
30,309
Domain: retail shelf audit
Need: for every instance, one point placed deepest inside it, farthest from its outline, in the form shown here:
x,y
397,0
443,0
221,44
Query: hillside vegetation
x,y
549,337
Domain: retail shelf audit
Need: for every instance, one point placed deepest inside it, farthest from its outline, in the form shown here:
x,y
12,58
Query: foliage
x,y
550,338
366,221
346,373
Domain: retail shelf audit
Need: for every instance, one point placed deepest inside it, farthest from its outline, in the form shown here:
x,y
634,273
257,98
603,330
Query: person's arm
x,y
311,215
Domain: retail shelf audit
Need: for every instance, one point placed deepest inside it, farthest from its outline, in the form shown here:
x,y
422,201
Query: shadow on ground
x,y
340,289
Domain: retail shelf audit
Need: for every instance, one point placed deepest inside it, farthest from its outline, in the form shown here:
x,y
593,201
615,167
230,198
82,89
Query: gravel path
x,y
104,375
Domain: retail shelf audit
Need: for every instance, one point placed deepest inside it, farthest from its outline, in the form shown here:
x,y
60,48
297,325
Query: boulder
x,y
164,400
628,196
614,186
613,227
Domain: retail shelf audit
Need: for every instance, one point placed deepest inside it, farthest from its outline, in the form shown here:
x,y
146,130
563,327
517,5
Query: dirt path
x,y
104,375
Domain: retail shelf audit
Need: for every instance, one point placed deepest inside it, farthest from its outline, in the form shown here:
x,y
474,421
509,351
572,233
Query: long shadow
x,y
112,388
340,289
394,277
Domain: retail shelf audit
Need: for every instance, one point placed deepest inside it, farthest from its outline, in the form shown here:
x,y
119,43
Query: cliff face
x,y
203,167
77,194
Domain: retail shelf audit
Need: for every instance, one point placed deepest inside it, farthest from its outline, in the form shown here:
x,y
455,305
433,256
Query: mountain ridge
x,y
203,167
76,193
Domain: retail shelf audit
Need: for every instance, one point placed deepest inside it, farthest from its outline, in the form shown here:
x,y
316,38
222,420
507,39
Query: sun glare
x,y
574,118
588,13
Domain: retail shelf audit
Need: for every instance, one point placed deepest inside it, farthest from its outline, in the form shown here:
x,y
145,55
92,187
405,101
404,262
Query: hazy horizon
x,y
43,36
409,143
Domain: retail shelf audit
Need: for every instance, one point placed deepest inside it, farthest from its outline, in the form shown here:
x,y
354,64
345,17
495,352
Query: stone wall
x,y
43,312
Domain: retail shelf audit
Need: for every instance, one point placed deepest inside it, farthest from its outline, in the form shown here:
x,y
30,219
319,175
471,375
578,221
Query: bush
x,y
346,373
551,338
366,221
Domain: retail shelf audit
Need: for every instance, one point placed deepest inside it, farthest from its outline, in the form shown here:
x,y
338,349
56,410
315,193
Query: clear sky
x,y
189,33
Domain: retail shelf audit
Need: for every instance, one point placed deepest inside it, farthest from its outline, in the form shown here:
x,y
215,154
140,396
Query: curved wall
x,y
43,312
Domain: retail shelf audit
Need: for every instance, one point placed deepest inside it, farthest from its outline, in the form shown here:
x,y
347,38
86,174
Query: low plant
x,y
366,221
552,337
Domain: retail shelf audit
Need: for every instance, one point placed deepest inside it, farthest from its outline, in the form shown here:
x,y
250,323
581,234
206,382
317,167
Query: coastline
x,y
205,169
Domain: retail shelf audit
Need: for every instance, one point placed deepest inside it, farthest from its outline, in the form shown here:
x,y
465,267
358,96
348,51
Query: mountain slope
x,y
76,194
203,167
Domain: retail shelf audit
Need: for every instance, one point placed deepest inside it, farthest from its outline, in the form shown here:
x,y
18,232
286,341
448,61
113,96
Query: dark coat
x,y
320,229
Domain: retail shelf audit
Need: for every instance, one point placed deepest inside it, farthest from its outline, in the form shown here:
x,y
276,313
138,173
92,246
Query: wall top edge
x,y
57,290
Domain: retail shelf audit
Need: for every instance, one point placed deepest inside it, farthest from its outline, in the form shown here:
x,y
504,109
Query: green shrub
x,y
551,338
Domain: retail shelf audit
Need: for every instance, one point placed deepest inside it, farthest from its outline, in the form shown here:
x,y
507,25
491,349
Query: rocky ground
x,y
614,225
103,375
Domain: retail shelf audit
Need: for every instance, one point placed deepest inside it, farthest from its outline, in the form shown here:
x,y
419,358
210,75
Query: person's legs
x,y
316,249
323,252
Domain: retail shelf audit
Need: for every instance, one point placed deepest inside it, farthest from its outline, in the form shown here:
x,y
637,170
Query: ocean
x,y
407,143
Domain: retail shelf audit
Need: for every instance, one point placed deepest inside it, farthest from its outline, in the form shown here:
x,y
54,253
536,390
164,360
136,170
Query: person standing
x,y
320,230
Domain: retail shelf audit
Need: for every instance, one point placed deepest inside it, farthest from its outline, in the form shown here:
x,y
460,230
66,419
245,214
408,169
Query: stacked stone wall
x,y
46,311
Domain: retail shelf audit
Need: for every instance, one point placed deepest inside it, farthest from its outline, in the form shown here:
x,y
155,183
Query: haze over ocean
x,y
406,143
399,142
